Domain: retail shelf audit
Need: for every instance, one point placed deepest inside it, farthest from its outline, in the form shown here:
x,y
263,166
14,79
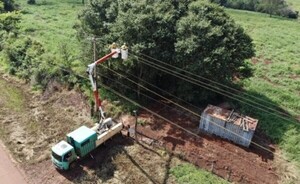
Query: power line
x,y
164,91
202,84
196,114
213,88
180,127
256,144
212,81
210,87
147,96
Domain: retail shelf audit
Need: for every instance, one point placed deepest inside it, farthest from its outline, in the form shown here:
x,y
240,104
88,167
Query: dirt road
x,y
9,173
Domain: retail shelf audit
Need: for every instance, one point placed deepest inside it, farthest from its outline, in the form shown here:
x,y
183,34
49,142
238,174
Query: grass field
x,y
277,67
187,173
10,97
51,22
277,74
295,4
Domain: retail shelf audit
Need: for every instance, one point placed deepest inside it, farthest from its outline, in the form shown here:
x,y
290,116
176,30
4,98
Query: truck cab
x,y
62,155
79,143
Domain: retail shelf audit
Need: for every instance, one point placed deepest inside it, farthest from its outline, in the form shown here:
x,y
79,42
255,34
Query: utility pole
x,y
93,39
135,127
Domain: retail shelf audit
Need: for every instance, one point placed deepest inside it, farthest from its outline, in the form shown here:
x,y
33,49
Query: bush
x,y
289,13
31,2
271,7
23,56
7,5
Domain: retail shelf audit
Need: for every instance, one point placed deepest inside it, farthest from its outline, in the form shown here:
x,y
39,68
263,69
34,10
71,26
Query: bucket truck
x,y
83,140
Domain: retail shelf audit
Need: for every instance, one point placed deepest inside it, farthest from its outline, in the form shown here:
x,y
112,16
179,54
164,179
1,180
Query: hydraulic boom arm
x,y
90,70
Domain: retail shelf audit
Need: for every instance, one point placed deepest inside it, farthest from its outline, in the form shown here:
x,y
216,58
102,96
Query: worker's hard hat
x,y
124,47
113,45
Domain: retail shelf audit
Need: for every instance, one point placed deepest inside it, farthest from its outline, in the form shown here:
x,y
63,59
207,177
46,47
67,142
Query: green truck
x,y
81,142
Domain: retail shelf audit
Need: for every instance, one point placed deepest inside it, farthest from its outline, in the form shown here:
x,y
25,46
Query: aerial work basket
x,y
113,48
124,51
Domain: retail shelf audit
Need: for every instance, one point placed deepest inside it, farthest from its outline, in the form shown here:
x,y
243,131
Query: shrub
x,y
272,7
23,56
31,1
289,13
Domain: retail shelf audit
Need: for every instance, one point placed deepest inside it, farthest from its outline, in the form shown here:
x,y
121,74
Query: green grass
x,y
277,71
189,174
277,74
295,4
11,98
51,22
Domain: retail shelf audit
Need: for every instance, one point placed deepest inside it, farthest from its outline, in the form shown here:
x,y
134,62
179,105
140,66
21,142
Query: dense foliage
x,y
7,5
25,57
31,1
272,7
194,35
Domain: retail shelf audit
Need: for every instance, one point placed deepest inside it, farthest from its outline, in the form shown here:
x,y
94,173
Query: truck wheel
x,y
72,165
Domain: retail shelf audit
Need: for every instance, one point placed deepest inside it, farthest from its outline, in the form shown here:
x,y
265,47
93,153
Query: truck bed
x,y
114,129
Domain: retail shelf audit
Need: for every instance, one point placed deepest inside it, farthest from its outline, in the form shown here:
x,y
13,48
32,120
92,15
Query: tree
x,y
7,5
9,22
194,35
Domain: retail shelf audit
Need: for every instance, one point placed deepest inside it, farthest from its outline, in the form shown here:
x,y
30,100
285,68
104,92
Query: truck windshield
x,y
56,156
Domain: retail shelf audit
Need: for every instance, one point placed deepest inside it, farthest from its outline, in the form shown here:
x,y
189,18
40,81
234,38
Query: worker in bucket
x,y
114,48
124,51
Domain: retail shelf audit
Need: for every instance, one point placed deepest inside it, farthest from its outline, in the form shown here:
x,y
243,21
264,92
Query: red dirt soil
x,y
230,161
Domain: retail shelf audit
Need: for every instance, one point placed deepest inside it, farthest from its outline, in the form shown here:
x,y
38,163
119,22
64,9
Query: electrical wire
x,y
196,82
180,127
262,107
213,88
212,81
174,124
192,133
196,114
166,92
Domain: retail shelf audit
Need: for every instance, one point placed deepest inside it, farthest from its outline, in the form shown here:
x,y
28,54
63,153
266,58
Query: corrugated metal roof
x,y
231,117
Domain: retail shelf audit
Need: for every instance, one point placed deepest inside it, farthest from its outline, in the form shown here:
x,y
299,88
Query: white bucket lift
x,y
114,48
124,51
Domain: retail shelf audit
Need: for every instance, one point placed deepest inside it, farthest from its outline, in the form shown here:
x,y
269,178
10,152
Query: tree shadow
x,y
44,3
77,2
272,128
139,167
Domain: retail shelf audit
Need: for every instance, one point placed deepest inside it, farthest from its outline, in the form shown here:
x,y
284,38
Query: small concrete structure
x,y
228,124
